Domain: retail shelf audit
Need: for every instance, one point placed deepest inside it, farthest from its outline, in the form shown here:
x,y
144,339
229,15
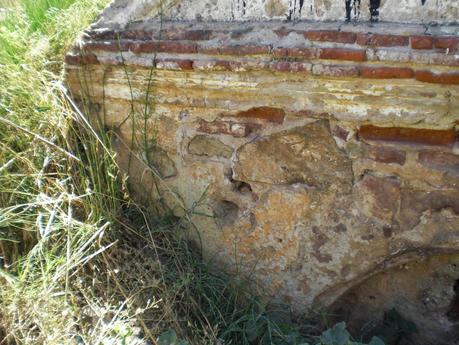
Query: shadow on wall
x,y
416,303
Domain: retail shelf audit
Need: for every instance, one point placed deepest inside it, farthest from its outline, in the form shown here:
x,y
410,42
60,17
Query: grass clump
x,y
80,261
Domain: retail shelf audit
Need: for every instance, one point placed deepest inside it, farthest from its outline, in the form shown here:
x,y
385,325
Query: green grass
x,y
80,261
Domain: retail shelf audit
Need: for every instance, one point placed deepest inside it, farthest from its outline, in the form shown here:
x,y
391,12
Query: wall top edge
x,y
121,13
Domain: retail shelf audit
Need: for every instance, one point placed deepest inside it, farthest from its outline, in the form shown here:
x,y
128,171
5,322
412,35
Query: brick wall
x,y
317,154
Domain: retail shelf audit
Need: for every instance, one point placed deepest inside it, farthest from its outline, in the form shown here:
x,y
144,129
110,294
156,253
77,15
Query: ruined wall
x,y
316,155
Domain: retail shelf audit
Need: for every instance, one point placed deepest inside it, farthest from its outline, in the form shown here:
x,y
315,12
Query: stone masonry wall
x,y
314,155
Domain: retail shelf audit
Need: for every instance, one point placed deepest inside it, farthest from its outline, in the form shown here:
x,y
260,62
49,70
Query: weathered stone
x,y
202,145
160,162
306,155
385,154
414,203
430,282
441,161
379,197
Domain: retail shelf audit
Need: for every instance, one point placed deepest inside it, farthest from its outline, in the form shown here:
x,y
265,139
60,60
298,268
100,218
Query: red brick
x,y
177,47
408,135
269,114
225,65
280,52
381,196
144,47
80,59
108,46
384,154
447,42
330,36
386,72
287,66
335,70
379,40
340,132
438,78
197,35
249,49
234,129
342,54
205,49
421,42
306,52
141,35
440,161
171,34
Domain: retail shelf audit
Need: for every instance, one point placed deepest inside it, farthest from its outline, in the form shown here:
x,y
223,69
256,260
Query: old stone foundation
x,y
321,157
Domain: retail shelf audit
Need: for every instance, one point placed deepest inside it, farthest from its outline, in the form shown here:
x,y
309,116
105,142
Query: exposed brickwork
x,y
340,132
339,71
269,114
421,42
438,78
163,46
293,66
414,203
235,129
306,53
198,35
378,40
386,72
108,46
385,154
441,161
385,194
235,50
81,59
447,42
342,54
331,36
232,44
408,135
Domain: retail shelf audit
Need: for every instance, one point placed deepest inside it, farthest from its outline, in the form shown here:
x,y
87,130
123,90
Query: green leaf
x,y
169,337
376,341
338,335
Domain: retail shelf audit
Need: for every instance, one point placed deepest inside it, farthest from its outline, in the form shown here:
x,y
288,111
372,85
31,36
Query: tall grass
x,y
80,261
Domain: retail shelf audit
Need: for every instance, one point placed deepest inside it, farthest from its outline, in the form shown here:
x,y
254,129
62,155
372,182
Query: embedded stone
x,y
440,161
203,145
379,197
160,162
306,155
415,202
